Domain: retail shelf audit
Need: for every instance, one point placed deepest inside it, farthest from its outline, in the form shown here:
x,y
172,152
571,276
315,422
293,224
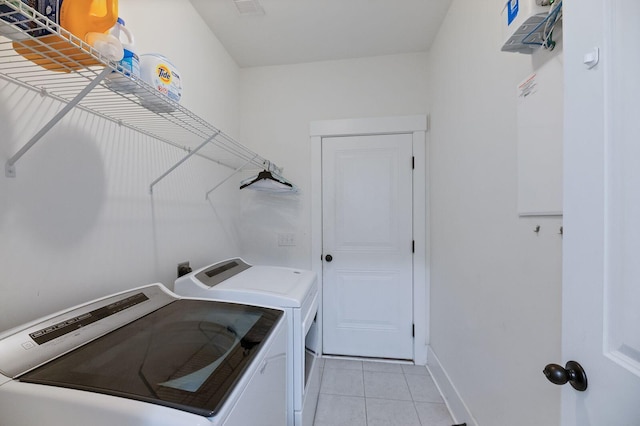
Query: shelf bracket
x,y
10,165
235,172
179,163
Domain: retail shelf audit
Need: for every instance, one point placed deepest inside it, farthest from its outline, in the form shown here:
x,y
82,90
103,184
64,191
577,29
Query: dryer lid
x,y
234,279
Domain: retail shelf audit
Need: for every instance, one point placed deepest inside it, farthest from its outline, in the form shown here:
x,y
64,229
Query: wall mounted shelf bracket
x,y
175,166
10,165
235,172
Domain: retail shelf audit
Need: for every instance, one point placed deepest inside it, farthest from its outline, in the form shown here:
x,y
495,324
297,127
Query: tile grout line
x,y
413,401
315,414
364,392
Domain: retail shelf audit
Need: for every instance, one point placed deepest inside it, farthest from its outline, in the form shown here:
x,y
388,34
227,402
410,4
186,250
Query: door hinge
x,y
413,330
413,246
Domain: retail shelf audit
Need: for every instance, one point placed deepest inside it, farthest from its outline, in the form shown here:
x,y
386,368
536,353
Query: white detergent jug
x,y
129,65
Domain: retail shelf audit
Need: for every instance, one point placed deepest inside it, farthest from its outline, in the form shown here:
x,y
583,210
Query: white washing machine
x,y
295,291
146,356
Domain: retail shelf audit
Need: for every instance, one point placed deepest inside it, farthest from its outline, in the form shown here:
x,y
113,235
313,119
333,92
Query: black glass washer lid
x,y
187,355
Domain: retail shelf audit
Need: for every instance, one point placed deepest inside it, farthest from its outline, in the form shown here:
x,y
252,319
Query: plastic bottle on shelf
x,y
108,46
88,20
82,17
129,65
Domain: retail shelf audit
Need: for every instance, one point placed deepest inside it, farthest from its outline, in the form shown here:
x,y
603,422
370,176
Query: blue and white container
x,y
129,66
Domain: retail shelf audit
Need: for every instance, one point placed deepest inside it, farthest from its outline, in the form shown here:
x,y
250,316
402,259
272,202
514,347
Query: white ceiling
x,y
297,31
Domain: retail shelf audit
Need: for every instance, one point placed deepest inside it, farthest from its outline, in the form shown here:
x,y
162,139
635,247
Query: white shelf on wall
x,y
75,75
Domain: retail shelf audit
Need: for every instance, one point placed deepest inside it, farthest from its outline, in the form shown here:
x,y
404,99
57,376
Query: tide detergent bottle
x,y
89,21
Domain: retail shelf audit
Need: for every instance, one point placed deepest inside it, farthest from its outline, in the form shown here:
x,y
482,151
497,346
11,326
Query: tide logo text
x,y
164,74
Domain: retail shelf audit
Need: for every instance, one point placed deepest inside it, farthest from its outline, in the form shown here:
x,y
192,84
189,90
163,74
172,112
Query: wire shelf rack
x,y
38,54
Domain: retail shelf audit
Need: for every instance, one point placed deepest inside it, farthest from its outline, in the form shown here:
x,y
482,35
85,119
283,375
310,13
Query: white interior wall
x,y
277,105
78,221
495,283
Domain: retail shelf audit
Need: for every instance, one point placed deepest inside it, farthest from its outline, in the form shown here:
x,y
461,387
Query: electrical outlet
x,y
183,268
286,239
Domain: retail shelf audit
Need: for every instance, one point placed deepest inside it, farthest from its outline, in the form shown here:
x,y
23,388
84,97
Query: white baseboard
x,y
458,409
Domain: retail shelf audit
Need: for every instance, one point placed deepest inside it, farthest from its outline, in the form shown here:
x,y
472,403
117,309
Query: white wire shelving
x,y
64,67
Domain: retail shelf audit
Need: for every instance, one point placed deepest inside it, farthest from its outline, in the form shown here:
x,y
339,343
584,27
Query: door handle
x,y
572,373
328,258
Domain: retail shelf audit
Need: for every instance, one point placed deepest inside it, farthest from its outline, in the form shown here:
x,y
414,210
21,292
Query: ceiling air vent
x,y
249,7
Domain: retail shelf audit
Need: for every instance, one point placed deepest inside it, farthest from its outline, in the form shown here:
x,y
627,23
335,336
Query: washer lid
x,y
187,355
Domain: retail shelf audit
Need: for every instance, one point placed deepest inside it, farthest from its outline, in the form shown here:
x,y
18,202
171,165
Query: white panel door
x,y
601,282
367,246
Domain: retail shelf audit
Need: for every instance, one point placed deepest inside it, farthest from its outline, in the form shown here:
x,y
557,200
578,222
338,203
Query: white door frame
x,y
417,126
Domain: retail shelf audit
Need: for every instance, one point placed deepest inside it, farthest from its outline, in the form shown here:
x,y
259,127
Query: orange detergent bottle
x,y
89,20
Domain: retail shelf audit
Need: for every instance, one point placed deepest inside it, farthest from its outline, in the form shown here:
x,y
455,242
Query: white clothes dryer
x,y
295,291
146,356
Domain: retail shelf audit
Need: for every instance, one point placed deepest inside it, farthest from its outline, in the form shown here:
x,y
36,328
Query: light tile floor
x,y
368,393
